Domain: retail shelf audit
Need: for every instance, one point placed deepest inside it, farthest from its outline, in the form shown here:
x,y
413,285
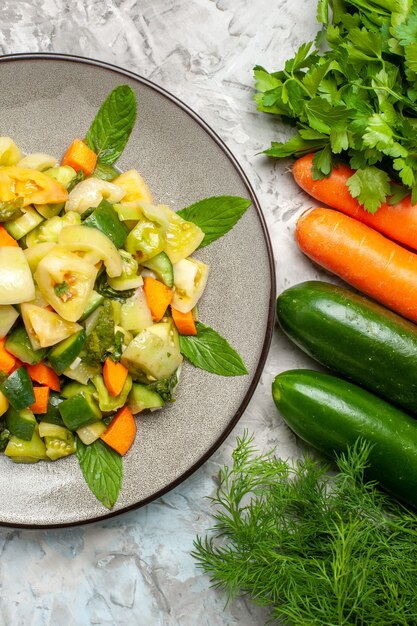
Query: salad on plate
x,y
99,288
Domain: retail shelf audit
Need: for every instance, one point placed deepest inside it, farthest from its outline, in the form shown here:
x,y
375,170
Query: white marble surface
x,y
136,568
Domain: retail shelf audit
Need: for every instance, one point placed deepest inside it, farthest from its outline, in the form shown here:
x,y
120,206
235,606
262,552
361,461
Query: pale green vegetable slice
x,y
38,161
9,152
35,253
8,316
83,238
66,282
45,328
190,279
16,282
135,313
182,238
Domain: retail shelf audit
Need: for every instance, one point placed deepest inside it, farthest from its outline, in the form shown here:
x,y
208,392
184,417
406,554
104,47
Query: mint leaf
x,y
102,469
210,351
111,128
215,216
370,186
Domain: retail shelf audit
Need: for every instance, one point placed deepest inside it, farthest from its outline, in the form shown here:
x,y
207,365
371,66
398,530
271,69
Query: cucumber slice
x,y
141,398
162,268
21,423
62,355
93,303
49,210
19,344
24,224
89,434
59,447
74,388
18,389
16,281
80,410
53,416
21,451
8,316
46,429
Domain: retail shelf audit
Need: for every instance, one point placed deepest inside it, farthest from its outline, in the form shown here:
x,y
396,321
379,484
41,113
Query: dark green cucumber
x,y
330,414
18,344
18,389
105,218
21,423
79,410
64,353
162,267
141,398
94,301
52,415
355,337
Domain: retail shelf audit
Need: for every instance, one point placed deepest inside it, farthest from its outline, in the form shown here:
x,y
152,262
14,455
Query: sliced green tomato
x,y
82,372
190,279
34,254
154,353
134,186
9,152
161,266
49,210
89,434
21,451
16,282
135,313
50,229
38,161
46,328
182,238
8,316
121,284
21,226
83,238
145,240
66,282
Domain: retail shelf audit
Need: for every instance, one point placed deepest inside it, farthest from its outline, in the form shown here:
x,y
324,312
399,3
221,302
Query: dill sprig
x,y
315,546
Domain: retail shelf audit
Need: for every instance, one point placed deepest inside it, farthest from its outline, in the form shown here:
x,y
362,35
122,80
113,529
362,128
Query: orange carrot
x,y
6,239
158,297
41,400
114,375
16,366
121,432
80,157
44,375
398,221
184,322
362,257
7,360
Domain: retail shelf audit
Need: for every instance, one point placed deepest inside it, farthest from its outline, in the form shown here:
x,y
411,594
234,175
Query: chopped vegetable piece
x,y
158,297
83,238
106,401
11,210
105,219
101,338
19,344
184,322
79,410
21,423
134,187
190,279
4,404
16,282
18,389
33,186
80,157
92,432
21,451
114,375
161,266
53,416
46,328
62,355
141,398
41,400
44,375
120,435
6,239
24,224
8,316
7,360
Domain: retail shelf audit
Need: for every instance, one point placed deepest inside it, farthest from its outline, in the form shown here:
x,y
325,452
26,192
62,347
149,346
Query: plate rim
x,y
35,56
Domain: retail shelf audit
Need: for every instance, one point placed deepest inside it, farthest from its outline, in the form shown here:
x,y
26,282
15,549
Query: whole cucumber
x,y
353,336
330,414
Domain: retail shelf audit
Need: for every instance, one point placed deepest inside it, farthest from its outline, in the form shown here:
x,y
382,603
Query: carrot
x,y
6,239
80,157
44,375
7,360
398,222
362,257
114,375
184,322
158,296
121,432
41,400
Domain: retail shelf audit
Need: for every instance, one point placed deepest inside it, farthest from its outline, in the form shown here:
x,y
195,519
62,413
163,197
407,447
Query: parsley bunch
x,y
356,100
315,548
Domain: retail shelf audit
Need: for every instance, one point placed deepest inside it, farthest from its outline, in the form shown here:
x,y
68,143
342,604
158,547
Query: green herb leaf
x,y
105,290
322,163
102,469
216,215
210,351
61,289
297,145
370,186
165,387
111,128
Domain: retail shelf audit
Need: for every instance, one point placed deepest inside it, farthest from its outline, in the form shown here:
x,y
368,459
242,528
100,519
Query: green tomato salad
x,y
98,295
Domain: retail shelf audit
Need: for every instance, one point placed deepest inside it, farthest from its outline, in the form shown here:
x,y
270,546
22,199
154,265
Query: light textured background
x,y
136,569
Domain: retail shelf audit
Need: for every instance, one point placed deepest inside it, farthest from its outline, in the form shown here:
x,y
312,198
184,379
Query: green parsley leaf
x,y
370,186
322,163
215,216
210,351
406,32
377,134
296,146
61,289
111,128
102,469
